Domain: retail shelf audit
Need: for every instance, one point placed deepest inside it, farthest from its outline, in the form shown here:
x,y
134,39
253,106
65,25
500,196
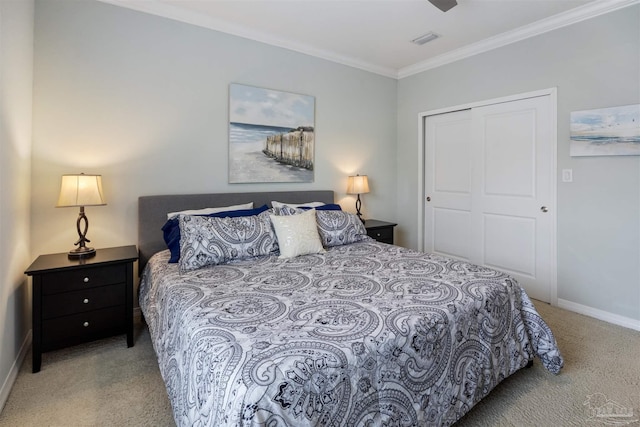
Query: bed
x,y
364,334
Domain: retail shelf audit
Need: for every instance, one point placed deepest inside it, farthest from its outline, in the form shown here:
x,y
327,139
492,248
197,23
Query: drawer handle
x,y
378,235
85,324
86,301
85,280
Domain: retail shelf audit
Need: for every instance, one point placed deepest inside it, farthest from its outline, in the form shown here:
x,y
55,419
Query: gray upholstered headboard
x,y
152,211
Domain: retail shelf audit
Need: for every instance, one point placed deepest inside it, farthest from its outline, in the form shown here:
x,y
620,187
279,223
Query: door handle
x,y
428,199
544,209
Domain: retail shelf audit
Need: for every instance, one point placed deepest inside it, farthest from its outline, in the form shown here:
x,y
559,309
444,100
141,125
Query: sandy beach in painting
x,y
247,162
589,148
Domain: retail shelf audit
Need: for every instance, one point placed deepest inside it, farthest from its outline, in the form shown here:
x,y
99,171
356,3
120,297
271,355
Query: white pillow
x,y
297,234
207,211
278,205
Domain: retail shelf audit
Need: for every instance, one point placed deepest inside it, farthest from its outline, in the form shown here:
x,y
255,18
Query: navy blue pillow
x,y
171,228
327,207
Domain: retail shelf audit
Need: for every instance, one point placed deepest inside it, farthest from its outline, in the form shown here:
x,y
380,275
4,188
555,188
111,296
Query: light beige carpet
x,y
104,383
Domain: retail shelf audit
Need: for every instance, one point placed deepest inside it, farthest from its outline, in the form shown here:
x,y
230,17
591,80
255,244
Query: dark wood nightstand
x,y
79,300
382,231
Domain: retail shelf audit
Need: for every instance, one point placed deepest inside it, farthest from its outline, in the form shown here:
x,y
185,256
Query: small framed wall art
x,y
271,135
611,131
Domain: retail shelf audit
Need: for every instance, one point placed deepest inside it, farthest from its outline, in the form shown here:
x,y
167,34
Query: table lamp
x,y
81,190
358,184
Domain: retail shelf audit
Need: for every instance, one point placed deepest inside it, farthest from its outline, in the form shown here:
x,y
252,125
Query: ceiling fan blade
x,y
443,5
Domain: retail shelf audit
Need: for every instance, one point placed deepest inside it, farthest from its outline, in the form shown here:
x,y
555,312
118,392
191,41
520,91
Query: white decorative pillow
x,y
340,228
207,211
297,234
209,240
278,205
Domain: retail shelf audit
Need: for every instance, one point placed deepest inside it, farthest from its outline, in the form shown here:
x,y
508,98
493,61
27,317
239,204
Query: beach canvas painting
x,y
606,132
271,135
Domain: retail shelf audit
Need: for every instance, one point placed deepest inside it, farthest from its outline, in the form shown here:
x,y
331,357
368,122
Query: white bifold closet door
x,y
488,173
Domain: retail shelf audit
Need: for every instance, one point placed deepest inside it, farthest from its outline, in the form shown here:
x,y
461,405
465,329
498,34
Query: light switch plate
x,y
567,175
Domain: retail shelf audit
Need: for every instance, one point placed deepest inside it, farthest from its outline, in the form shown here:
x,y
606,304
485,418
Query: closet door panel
x,y
488,188
448,184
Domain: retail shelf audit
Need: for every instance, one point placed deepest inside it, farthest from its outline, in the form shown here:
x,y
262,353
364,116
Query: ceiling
x,y
375,35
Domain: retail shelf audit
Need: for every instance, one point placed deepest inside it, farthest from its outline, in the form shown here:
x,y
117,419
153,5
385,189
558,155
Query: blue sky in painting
x,y
624,121
253,105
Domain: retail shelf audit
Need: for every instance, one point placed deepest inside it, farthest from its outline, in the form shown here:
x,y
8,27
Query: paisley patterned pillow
x,y
278,205
210,241
294,210
339,228
287,210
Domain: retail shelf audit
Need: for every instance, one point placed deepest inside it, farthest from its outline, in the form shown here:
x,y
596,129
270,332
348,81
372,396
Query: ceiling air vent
x,y
425,38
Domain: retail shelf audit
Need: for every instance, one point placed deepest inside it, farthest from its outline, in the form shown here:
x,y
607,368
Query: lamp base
x,y
358,205
81,252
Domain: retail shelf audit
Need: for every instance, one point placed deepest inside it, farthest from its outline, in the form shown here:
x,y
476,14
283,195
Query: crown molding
x,y
157,8
573,16
582,13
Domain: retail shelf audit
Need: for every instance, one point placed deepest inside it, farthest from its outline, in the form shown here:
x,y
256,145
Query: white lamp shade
x,y
358,184
81,190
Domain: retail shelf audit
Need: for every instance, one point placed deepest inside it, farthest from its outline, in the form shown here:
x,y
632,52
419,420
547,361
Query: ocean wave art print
x,y
611,131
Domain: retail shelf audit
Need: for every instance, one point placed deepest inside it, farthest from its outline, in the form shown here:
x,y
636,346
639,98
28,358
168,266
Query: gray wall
x,y
143,101
595,63
16,65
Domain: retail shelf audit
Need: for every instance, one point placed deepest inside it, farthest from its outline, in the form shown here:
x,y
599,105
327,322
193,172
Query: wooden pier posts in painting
x,y
292,148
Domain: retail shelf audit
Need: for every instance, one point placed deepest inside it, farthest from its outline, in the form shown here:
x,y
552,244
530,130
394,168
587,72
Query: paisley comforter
x,y
367,334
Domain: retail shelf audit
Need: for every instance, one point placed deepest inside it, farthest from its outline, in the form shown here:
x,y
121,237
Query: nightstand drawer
x,y
384,235
71,280
69,330
65,303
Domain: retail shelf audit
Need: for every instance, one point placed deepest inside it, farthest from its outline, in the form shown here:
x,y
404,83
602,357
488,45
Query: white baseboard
x,y
13,372
616,319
